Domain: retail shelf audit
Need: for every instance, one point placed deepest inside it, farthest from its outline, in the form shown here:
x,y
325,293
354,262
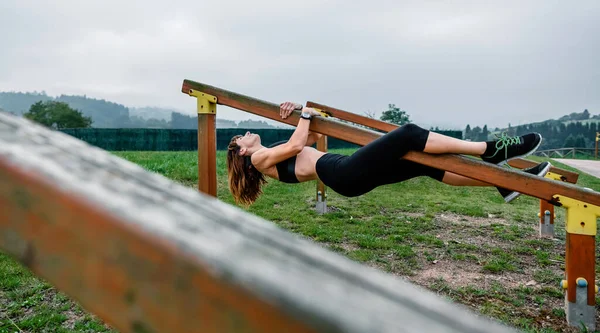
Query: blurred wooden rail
x,y
148,255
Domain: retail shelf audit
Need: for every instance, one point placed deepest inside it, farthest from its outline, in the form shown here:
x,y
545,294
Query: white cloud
x,y
446,63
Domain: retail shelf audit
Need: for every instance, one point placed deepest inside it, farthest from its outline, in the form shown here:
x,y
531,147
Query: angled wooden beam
x,y
148,255
531,185
520,163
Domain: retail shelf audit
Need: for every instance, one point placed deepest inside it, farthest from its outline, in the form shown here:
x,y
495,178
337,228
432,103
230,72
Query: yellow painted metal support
x,y
207,104
323,113
554,176
581,216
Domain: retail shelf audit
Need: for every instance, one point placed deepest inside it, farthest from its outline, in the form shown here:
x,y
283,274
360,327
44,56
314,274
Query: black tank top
x,y
286,168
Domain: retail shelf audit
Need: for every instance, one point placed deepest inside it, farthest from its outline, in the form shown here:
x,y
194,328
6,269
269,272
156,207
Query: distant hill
x,y
151,112
103,113
572,130
106,114
19,103
583,117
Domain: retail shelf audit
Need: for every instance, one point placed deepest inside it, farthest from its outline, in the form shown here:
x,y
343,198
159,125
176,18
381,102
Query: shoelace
x,y
504,141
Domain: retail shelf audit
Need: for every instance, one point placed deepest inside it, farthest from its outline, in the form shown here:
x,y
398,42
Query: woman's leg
x,y
496,152
410,137
390,147
458,180
442,144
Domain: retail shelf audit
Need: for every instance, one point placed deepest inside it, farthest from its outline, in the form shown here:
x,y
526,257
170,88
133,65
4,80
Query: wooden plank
x,y
388,127
207,154
527,184
569,176
355,118
148,255
580,262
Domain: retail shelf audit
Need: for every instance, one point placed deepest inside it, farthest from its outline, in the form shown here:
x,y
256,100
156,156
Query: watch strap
x,y
306,115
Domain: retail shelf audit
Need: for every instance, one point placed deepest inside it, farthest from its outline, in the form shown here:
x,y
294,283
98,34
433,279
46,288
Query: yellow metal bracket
x,y
581,216
323,113
555,176
207,104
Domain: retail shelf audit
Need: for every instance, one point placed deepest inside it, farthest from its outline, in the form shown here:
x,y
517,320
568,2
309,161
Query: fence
x,y
151,139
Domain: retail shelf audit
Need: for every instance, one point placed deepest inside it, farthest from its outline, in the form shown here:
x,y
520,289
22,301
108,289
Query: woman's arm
x,y
268,157
312,138
287,108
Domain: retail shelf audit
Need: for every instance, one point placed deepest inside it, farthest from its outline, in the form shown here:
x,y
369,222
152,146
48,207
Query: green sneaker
x,y
508,148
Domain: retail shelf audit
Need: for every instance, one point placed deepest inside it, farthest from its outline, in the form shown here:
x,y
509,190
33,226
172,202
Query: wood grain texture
x,y
520,163
355,118
207,154
515,180
567,176
580,261
148,255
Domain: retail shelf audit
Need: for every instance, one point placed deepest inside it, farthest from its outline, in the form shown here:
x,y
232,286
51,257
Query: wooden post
x,y
580,280
321,194
207,142
580,255
547,216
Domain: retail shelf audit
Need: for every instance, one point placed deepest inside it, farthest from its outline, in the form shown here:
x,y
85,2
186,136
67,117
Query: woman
x,y
375,164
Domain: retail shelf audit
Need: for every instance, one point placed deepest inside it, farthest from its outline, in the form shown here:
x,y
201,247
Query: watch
x,y
306,115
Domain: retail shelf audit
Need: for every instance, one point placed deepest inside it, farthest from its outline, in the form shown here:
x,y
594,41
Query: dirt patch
x,y
479,231
412,214
471,220
491,265
458,274
72,318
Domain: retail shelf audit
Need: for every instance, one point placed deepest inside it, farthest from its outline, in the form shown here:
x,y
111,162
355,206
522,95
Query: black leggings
x,y
377,163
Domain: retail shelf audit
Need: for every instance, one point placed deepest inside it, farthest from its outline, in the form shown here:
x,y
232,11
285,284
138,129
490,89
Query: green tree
x,y
585,115
476,133
484,134
579,141
57,115
395,116
569,142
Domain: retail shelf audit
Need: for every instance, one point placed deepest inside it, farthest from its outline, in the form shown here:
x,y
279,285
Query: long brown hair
x,y
244,180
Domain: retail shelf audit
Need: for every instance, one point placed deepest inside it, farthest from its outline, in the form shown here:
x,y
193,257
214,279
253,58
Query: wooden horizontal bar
x,y
522,182
520,163
353,117
146,254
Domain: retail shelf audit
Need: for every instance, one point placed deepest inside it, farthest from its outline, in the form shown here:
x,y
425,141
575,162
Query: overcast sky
x,y
447,63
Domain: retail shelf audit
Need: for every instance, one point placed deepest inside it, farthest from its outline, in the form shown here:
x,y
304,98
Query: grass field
x,y
465,244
